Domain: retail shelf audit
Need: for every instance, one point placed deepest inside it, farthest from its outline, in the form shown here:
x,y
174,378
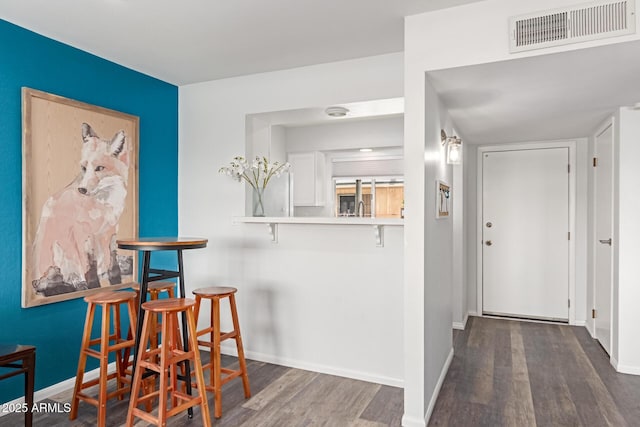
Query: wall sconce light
x,y
454,147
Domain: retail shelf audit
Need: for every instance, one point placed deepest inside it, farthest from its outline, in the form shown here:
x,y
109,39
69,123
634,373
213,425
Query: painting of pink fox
x,y
75,243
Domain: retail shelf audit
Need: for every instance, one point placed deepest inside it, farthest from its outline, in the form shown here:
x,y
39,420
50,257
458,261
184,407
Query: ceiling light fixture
x,y
336,111
366,150
454,147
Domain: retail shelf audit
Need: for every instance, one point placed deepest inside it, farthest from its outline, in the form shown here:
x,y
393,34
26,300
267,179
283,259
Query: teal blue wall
x,y
28,59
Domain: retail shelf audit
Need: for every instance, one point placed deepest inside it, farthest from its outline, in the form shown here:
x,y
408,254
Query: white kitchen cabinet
x,y
308,178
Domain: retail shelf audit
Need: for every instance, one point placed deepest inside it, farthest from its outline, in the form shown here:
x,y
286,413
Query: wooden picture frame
x,y
443,199
80,193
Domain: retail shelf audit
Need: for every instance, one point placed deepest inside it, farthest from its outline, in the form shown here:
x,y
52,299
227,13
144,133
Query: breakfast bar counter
x,y
349,220
378,224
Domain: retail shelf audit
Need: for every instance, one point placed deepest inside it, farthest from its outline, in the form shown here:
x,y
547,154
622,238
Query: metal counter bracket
x,y
272,229
378,232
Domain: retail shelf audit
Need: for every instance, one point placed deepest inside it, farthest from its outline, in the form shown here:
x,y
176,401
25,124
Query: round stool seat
x,y
155,286
168,305
215,291
110,297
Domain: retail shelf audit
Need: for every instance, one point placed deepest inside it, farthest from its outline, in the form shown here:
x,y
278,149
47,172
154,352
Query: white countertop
x,y
319,220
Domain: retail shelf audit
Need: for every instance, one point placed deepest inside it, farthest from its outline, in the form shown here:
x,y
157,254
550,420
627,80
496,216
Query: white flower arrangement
x,y
258,173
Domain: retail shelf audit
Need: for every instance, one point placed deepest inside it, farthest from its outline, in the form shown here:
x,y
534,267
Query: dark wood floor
x,y
504,373
510,373
281,397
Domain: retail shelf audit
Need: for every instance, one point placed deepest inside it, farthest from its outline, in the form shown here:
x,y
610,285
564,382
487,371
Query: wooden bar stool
x,y
215,294
154,290
108,342
172,358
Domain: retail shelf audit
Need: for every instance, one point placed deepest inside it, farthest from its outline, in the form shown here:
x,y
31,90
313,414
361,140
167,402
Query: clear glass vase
x,y
258,202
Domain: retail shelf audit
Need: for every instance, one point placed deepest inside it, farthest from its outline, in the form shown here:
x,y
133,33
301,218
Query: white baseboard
x,y
580,323
625,369
323,369
413,422
461,325
436,392
417,422
588,327
614,362
472,313
60,387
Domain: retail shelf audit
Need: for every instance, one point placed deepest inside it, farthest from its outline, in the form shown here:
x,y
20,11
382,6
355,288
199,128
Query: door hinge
x,y
568,235
594,313
569,303
595,162
568,168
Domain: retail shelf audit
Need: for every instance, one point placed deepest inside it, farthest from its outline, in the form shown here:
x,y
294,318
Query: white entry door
x,y
525,226
603,249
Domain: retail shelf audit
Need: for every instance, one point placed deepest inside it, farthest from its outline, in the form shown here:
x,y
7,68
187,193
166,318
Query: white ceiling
x,y
191,41
545,97
559,96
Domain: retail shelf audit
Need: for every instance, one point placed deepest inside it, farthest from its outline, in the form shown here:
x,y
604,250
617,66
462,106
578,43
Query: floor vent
x,y
592,21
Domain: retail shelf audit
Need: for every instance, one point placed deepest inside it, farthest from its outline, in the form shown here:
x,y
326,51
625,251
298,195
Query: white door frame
x,y
610,122
571,145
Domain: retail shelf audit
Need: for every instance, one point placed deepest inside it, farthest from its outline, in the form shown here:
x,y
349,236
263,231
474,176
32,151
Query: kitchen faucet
x,y
359,212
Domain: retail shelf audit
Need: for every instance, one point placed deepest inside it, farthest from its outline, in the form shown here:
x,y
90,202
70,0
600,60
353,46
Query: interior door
x,y
525,222
603,245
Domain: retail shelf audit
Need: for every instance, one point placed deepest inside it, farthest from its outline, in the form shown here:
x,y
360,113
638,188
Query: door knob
x,y
488,243
489,224
606,242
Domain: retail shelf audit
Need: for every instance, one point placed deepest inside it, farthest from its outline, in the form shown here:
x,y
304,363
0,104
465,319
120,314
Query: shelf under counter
x,y
272,223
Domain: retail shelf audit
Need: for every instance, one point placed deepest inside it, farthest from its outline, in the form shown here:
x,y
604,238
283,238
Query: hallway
x,y
510,373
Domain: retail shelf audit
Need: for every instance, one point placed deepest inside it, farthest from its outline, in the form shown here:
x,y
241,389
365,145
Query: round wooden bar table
x,y
151,244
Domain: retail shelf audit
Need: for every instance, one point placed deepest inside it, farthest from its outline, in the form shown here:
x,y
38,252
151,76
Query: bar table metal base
x,y
147,245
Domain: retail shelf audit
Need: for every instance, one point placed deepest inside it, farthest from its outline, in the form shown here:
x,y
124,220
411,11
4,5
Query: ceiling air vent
x,y
591,21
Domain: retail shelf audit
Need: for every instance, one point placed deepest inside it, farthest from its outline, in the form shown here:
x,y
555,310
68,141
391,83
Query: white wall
x,y
323,297
438,254
471,244
459,256
470,34
626,352
428,247
583,311
415,155
615,292
590,322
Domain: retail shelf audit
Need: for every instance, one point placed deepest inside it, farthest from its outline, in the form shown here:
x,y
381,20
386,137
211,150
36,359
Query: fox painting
x,y
75,242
